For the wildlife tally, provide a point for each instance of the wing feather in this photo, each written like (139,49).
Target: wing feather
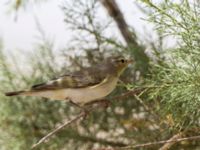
(79,79)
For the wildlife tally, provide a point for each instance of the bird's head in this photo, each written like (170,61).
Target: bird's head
(118,64)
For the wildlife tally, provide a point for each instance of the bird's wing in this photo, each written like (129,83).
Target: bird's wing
(76,80)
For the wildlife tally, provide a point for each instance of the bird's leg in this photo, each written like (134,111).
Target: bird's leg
(75,104)
(80,107)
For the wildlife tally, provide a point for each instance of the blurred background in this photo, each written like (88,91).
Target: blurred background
(40,40)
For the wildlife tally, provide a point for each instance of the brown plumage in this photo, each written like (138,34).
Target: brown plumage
(100,80)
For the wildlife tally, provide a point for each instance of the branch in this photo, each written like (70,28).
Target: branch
(117,15)
(141,59)
(166,146)
(42,140)
(163,142)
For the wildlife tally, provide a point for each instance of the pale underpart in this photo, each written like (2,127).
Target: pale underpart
(79,95)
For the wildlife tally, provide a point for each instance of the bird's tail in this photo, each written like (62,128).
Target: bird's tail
(15,93)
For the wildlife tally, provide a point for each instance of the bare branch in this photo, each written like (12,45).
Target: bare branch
(166,146)
(141,59)
(42,140)
(117,15)
(162,142)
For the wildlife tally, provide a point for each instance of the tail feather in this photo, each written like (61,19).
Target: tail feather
(15,93)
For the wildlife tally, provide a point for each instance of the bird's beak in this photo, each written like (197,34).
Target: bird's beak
(130,61)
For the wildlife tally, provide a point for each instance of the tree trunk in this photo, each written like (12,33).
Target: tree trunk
(141,59)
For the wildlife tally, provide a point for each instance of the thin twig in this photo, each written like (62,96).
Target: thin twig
(166,146)
(42,140)
(162,142)
(146,107)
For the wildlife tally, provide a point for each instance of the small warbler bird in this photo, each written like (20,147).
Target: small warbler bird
(81,87)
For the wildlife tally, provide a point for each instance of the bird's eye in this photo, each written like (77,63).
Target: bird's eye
(122,60)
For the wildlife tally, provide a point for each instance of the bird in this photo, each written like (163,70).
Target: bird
(81,87)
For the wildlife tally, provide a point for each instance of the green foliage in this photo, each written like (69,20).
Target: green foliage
(170,99)
(21,117)
(175,83)
(25,120)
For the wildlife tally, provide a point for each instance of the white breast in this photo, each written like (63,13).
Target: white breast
(82,95)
